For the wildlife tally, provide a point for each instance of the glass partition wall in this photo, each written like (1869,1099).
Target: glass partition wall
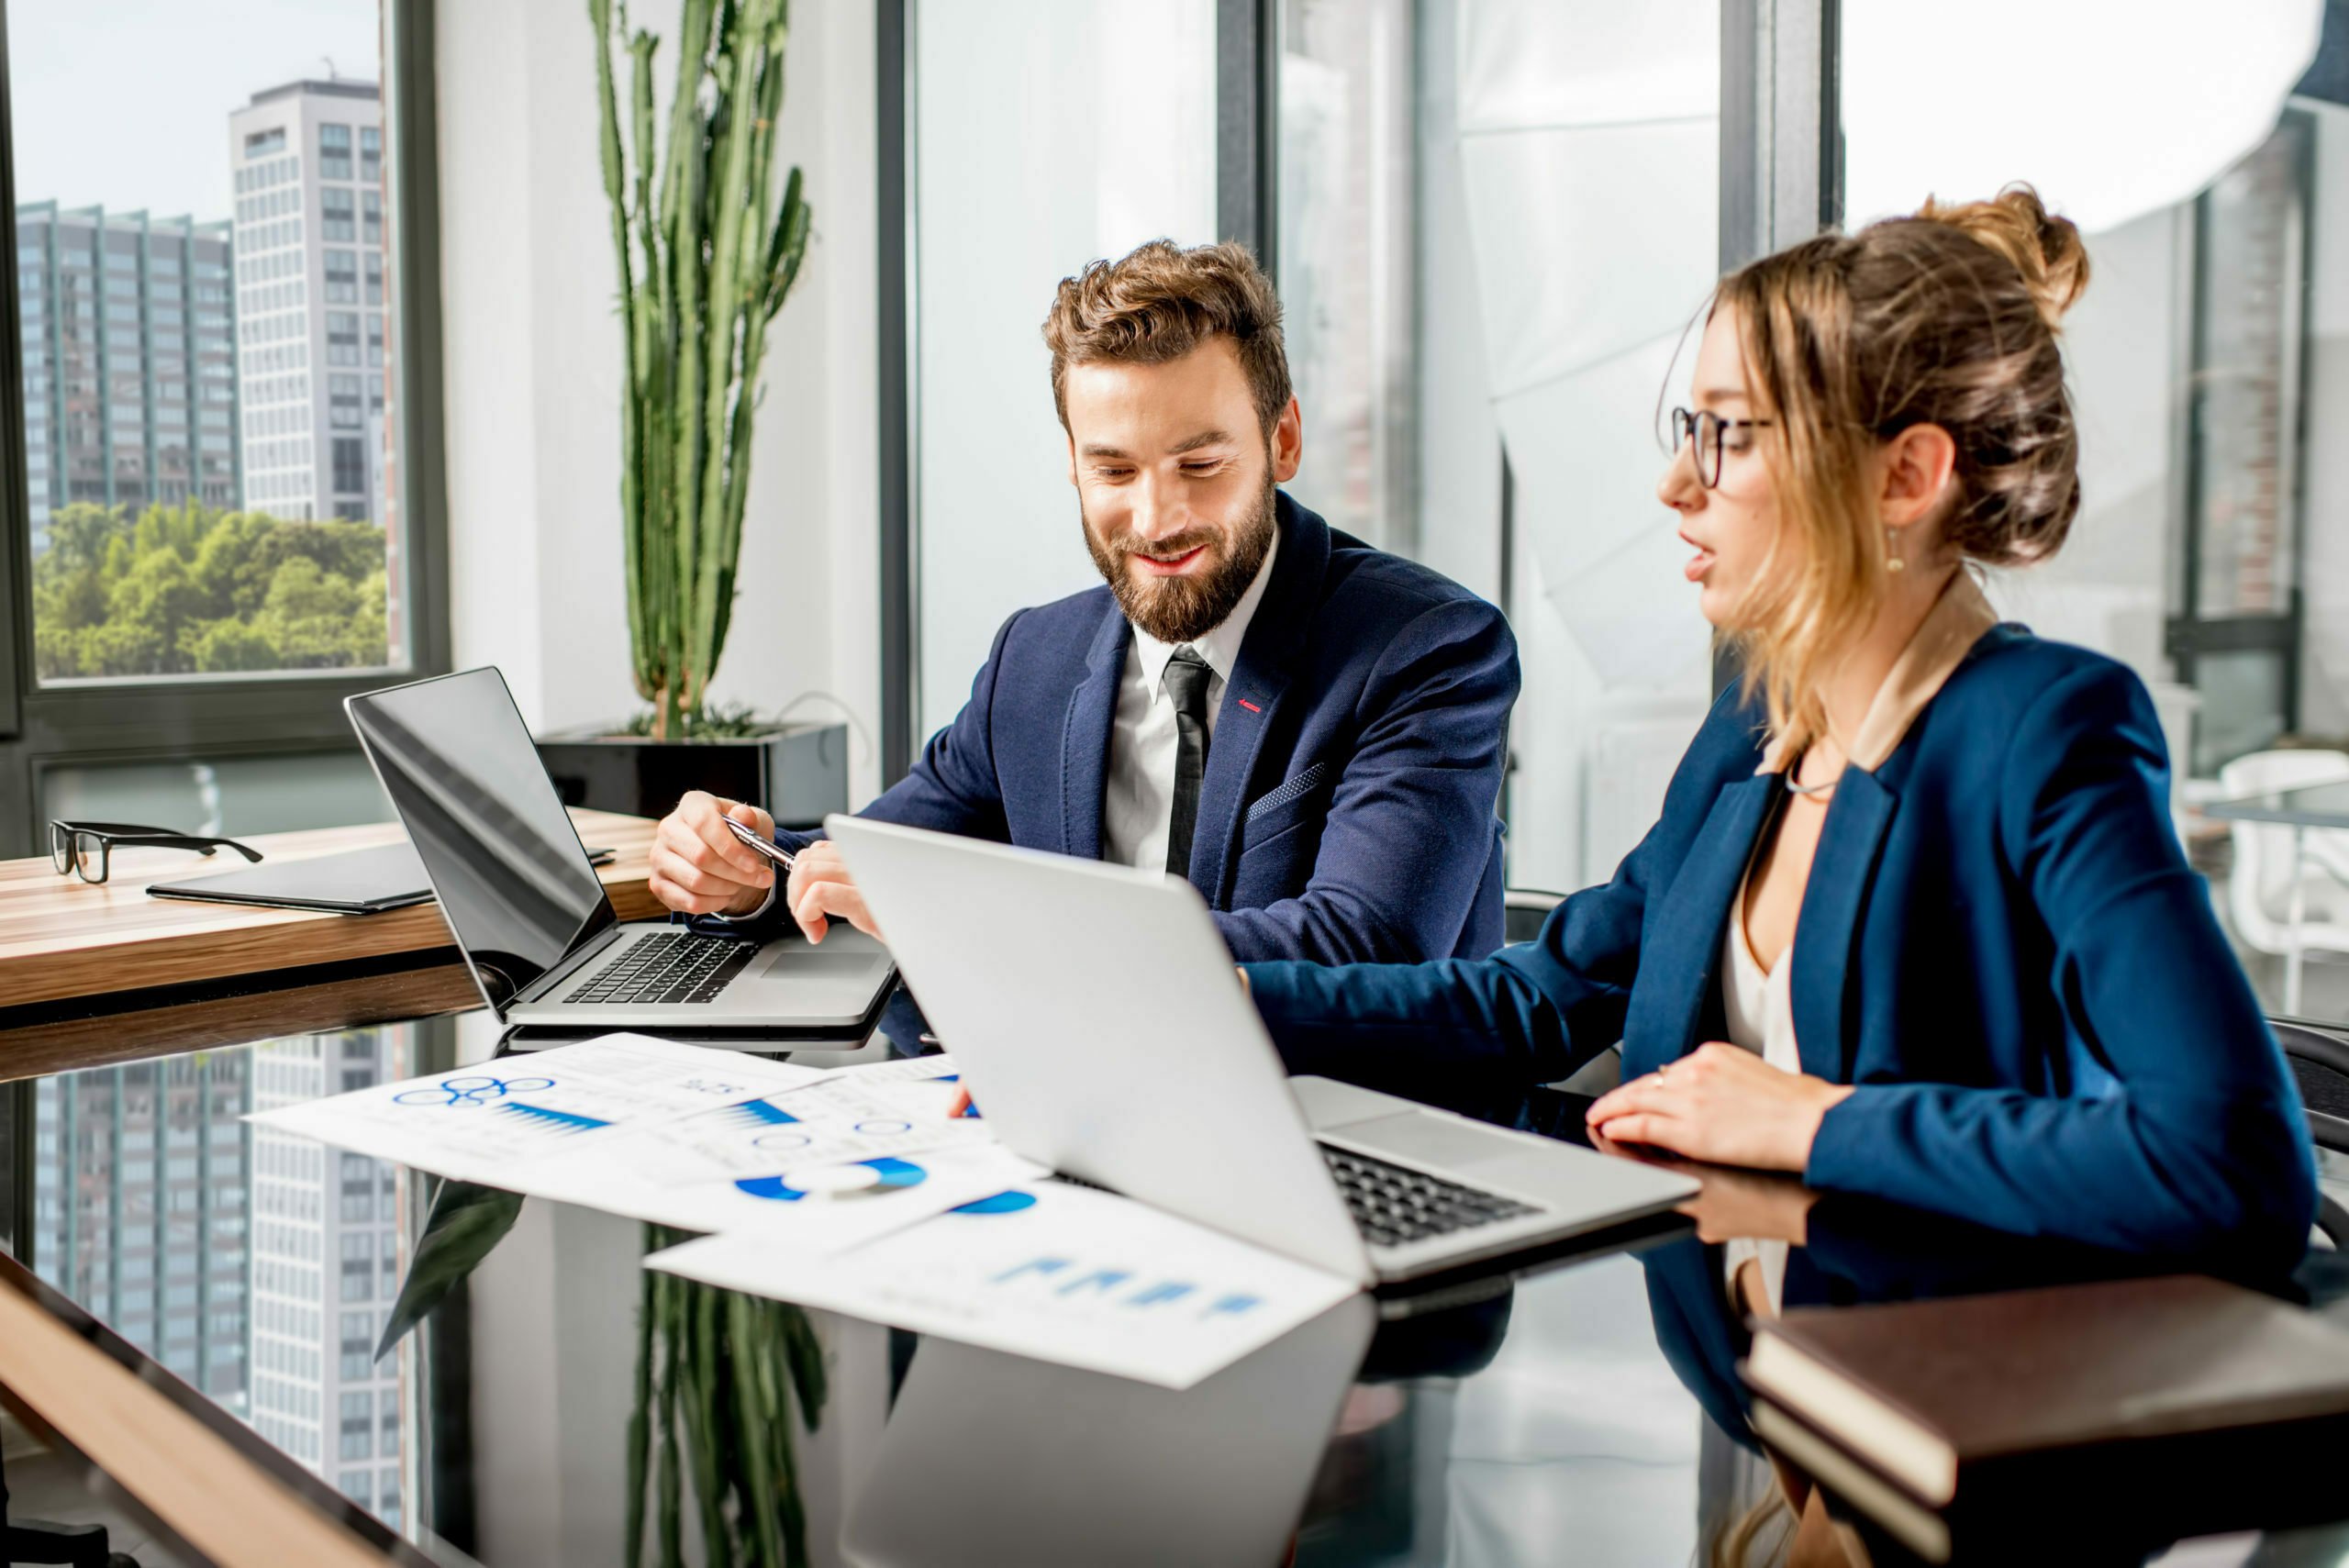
(1040,134)
(1442,176)
(2208,369)
(1494,224)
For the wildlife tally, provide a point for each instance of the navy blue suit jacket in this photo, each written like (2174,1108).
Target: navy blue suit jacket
(2001,943)
(1347,813)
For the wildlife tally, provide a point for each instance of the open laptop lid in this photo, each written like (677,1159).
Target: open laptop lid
(1094,1010)
(513,879)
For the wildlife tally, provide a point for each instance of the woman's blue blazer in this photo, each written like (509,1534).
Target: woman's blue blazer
(2000,944)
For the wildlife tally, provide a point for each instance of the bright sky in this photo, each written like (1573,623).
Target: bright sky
(126,104)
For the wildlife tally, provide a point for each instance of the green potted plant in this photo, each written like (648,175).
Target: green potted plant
(707,253)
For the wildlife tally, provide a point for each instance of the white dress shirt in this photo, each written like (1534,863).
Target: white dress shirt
(1138,795)
(1757,1008)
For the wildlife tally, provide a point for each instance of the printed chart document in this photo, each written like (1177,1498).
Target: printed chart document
(811,1212)
(487,1123)
(828,1165)
(1057,1272)
(854,1114)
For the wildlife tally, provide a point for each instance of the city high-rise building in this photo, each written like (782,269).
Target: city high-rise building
(130,374)
(311,281)
(324,1270)
(140,1184)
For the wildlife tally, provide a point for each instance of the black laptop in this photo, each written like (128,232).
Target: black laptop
(531,915)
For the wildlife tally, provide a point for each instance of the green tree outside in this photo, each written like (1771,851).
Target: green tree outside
(190,590)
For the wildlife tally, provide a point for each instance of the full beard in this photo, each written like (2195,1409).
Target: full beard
(1183,610)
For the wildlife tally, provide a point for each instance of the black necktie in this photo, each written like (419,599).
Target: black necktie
(1187,682)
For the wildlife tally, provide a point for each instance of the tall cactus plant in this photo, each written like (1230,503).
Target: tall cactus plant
(707,257)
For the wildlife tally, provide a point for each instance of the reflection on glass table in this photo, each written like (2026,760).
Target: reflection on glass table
(503,1383)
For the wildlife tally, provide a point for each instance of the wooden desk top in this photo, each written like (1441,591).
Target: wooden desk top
(433,984)
(62,938)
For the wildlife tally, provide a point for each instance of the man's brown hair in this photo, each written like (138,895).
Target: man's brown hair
(1158,302)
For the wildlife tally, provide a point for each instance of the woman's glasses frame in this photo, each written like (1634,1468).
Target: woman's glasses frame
(1709,430)
(74,847)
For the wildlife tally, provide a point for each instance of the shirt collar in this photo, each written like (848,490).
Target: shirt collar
(1220,645)
(1934,650)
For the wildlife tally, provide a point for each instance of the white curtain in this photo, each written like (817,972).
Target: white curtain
(1589,144)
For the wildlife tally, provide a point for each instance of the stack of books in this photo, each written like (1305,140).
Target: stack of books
(2097,1415)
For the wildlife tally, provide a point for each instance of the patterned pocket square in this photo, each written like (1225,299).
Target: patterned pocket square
(1304,783)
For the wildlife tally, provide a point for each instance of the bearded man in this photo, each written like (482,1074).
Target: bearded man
(1309,730)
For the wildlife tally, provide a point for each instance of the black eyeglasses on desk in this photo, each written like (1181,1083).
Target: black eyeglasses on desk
(87,847)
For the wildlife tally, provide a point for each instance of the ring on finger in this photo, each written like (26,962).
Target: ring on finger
(1662,1071)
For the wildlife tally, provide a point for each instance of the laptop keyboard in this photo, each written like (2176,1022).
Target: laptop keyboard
(668,966)
(1394,1204)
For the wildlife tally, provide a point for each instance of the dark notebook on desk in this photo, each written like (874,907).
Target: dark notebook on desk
(356,882)
(2180,1391)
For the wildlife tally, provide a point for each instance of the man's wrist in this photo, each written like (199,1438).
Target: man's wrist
(763,907)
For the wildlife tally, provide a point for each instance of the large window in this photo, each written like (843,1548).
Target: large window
(1493,224)
(1425,181)
(1346,250)
(1495,221)
(1011,192)
(189,266)
(2211,552)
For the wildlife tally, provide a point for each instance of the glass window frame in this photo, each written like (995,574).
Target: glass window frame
(1781,180)
(186,716)
(2192,633)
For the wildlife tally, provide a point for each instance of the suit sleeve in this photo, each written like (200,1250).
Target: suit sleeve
(1533,1012)
(2182,1133)
(1411,825)
(952,789)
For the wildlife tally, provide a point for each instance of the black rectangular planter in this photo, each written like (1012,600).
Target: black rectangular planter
(799,772)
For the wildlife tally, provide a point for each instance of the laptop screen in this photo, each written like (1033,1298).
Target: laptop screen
(512,879)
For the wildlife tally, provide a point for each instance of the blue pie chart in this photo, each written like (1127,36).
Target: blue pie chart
(861,1179)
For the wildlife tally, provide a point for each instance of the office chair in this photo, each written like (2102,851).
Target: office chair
(1523,911)
(2320,1062)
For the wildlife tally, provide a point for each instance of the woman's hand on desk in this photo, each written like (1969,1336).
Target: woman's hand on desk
(1723,1106)
(699,868)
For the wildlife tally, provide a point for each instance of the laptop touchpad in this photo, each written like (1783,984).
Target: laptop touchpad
(1427,1140)
(798,961)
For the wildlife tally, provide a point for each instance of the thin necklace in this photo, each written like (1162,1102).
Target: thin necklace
(1809,791)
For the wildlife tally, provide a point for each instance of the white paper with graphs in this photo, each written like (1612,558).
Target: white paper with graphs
(1059,1273)
(858,1189)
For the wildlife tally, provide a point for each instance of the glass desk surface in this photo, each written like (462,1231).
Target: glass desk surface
(1581,1408)
(2310,806)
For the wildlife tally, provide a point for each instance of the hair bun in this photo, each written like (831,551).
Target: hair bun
(2045,249)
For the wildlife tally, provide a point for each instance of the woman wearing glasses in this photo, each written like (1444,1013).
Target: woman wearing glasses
(1914,922)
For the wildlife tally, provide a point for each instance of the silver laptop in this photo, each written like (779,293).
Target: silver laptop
(991,1459)
(1095,1012)
(529,911)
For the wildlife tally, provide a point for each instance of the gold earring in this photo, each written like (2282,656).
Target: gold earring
(1892,551)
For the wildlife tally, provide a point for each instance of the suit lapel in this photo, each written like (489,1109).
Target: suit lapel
(1084,735)
(1680,964)
(1252,699)
(1841,871)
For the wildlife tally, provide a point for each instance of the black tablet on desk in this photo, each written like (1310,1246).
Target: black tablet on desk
(356,882)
